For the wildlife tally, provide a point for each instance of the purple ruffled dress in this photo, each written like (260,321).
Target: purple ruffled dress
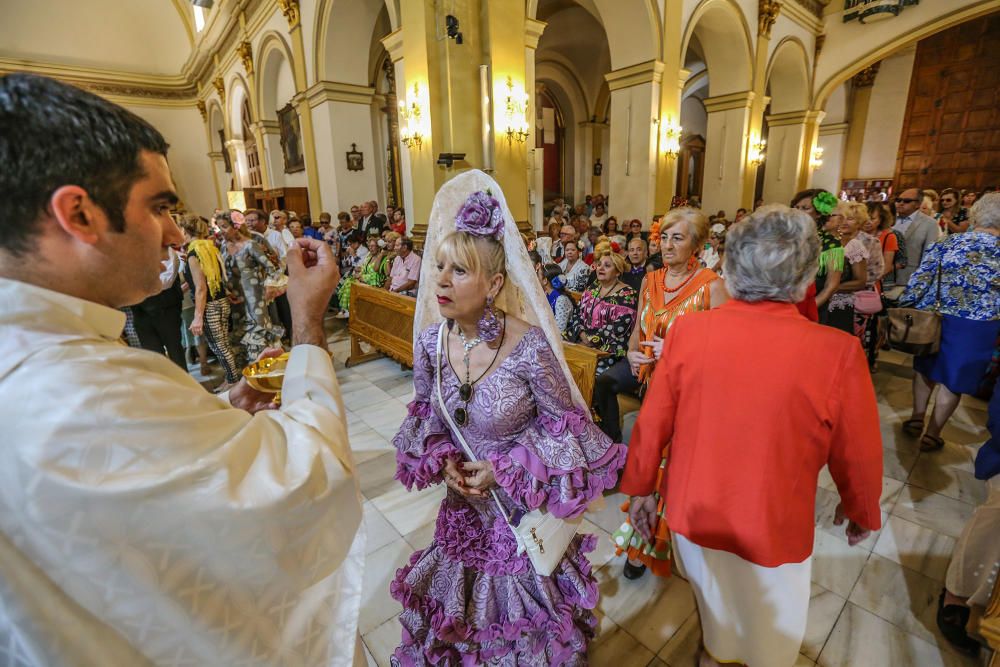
(468,598)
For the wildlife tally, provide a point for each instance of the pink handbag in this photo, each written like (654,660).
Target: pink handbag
(867,302)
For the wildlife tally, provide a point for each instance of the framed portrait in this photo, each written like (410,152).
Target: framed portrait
(291,139)
(355,159)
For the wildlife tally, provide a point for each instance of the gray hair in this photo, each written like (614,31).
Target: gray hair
(986,212)
(772,255)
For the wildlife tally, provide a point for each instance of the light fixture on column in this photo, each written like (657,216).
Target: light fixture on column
(816,161)
(411,119)
(757,152)
(671,139)
(515,118)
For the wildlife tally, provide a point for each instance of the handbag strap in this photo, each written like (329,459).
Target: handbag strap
(442,333)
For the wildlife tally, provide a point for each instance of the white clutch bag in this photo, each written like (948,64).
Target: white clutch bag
(541,535)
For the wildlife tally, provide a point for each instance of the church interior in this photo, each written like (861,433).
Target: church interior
(317,106)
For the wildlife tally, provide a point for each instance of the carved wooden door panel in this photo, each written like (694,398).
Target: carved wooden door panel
(951,130)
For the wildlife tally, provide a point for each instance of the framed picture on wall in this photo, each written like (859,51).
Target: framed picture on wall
(355,159)
(291,139)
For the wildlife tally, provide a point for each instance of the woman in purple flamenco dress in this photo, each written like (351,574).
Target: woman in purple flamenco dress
(470,598)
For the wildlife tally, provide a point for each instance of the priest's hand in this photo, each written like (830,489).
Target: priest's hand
(245,397)
(642,513)
(312,276)
(855,533)
(481,478)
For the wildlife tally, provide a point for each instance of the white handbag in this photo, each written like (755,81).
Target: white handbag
(543,536)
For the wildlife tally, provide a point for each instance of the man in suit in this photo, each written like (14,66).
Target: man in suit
(372,222)
(919,230)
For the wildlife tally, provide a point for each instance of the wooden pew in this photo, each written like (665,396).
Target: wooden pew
(384,320)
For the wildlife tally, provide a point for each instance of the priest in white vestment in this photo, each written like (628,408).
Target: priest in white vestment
(143,520)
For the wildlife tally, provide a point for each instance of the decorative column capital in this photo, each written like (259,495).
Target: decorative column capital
(533,30)
(202,109)
(767,14)
(866,77)
(393,43)
(245,52)
(650,71)
(220,87)
(731,101)
(290,8)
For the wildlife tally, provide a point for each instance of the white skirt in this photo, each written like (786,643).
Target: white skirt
(750,614)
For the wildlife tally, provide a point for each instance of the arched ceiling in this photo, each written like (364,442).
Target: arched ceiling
(93,34)
(576,39)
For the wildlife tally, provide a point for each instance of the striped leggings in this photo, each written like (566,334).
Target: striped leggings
(217,334)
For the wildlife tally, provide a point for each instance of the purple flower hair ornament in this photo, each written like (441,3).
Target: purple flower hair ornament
(481,215)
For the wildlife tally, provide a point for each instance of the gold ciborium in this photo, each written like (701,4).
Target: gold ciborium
(267,375)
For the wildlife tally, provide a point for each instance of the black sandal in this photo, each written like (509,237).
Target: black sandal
(633,571)
(951,620)
(931,443)
(913,426)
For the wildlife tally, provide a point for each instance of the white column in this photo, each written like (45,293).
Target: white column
(341,118)
(726,151)
(833,141)
(238,159)
(220,177)
(631,168)
(786,154)
(536,158)
(583,152)
(269,152)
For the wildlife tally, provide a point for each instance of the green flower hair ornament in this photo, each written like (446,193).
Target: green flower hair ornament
(824,203)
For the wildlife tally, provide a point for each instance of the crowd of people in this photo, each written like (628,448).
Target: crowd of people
(223,288)
(129,492)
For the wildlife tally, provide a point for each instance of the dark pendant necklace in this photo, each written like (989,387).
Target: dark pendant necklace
(465,390)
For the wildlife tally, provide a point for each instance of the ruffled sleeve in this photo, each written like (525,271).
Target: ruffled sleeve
(562,460)
(423,443)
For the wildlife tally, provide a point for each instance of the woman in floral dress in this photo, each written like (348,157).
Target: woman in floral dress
(606,313)
(255,278)
(470,598)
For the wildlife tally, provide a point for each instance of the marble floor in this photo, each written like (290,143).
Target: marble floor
(872,605)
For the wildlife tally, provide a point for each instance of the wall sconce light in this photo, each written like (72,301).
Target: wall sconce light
(758,152)
(515,113)
(817,158)
(671,139)
(411,119)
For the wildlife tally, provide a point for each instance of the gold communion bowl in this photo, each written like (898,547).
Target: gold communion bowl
(267,375)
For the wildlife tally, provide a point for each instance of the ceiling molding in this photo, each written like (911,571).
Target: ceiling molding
(109,83)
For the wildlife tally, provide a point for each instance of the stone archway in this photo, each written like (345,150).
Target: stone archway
(275,92)
(717,49)
(786,123)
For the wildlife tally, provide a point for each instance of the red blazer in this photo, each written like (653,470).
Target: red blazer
(754,400)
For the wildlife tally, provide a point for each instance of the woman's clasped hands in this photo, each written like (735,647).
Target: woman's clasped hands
(474,482)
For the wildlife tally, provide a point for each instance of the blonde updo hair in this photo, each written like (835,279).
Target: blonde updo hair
(478,255)
(854,209)
(194,226)
(697,223)
(603,249)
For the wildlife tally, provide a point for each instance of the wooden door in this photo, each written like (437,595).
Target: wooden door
(691,166)
(951,130)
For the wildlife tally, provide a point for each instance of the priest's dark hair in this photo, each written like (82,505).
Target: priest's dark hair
(53,134)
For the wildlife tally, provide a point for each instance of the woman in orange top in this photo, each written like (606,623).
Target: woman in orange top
(741,475)
(680,287)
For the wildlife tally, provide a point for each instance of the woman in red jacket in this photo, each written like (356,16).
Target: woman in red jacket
(748,427)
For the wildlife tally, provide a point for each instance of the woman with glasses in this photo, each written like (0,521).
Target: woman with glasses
(953,218)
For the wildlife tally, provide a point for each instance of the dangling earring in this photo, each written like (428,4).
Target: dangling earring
(489,324)
(692,263)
